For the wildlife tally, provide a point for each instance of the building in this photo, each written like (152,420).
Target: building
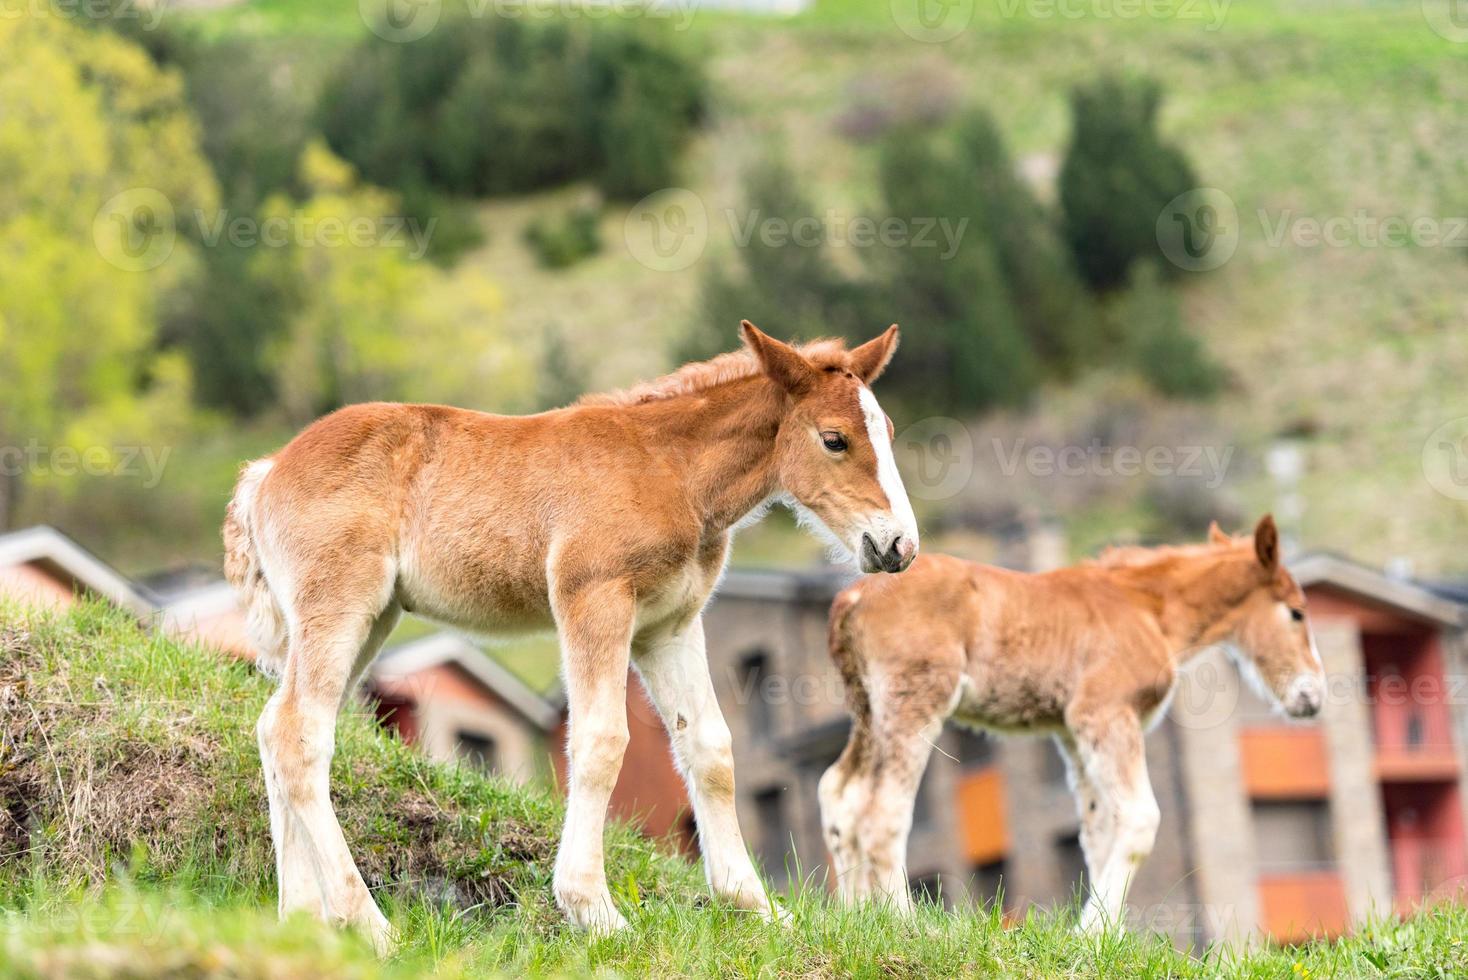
(439,691)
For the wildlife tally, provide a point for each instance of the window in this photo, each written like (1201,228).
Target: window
(754,671)
(774,833)
(1416,730)
(987,887)
(926,888)
(1293,834)
(922,805)
(1057,771)
(1070,866)
(973,748)
(476,749)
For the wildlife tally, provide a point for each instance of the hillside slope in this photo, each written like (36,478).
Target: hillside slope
(133,842)
(1299,116)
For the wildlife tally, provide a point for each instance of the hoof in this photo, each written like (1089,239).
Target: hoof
(594,914)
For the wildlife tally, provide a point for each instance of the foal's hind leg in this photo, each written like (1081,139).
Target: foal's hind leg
(675,671)
(595,623)
(845,789)
(1113,755)
(297,736)
(907,718)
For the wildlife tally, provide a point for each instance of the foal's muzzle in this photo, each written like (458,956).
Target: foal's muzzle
(1305,696)
(898,554)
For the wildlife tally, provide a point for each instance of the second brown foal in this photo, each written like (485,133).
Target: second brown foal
(1087,654)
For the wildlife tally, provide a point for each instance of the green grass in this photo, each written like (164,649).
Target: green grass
(143,851)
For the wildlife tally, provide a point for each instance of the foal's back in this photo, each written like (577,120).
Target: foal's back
(463,507)
(1008,649)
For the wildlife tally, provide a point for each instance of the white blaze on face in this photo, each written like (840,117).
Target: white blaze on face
(887,475)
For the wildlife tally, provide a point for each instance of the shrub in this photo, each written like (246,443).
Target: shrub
(794,289)
(564,239)
(995,307)
(497,106)
(1117,177)
(1156,339)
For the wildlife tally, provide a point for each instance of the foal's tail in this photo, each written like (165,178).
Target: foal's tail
(265,621)
(845,787)
(841,642)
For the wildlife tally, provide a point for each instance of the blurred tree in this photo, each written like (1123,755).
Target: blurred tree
(92,134)
(1158,345)
(780,283)
(963,347)
(370,322)
(993,306)
(1049,300)
(565,238)
(1117,178)
(562,377)
(496,105)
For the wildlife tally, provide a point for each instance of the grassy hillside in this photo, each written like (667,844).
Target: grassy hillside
(133,842)
(1293,110)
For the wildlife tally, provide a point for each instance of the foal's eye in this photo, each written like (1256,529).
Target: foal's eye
(834,441)
(1298,615)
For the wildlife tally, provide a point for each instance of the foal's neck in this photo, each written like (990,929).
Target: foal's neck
(1193,595)
(724,437)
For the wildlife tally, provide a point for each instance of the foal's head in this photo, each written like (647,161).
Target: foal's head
(1267,629)
(834,449)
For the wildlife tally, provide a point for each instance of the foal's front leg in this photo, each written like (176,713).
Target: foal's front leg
(674,669)
(595,624)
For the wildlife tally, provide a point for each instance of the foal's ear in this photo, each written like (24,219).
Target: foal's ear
(784,365)
(870,359)
(1266,543)
(1216,535)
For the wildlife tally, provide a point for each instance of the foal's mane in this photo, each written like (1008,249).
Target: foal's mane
(700,376)
(1138,556)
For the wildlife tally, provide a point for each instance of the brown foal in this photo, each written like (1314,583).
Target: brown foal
(609,520)
(1087,654)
